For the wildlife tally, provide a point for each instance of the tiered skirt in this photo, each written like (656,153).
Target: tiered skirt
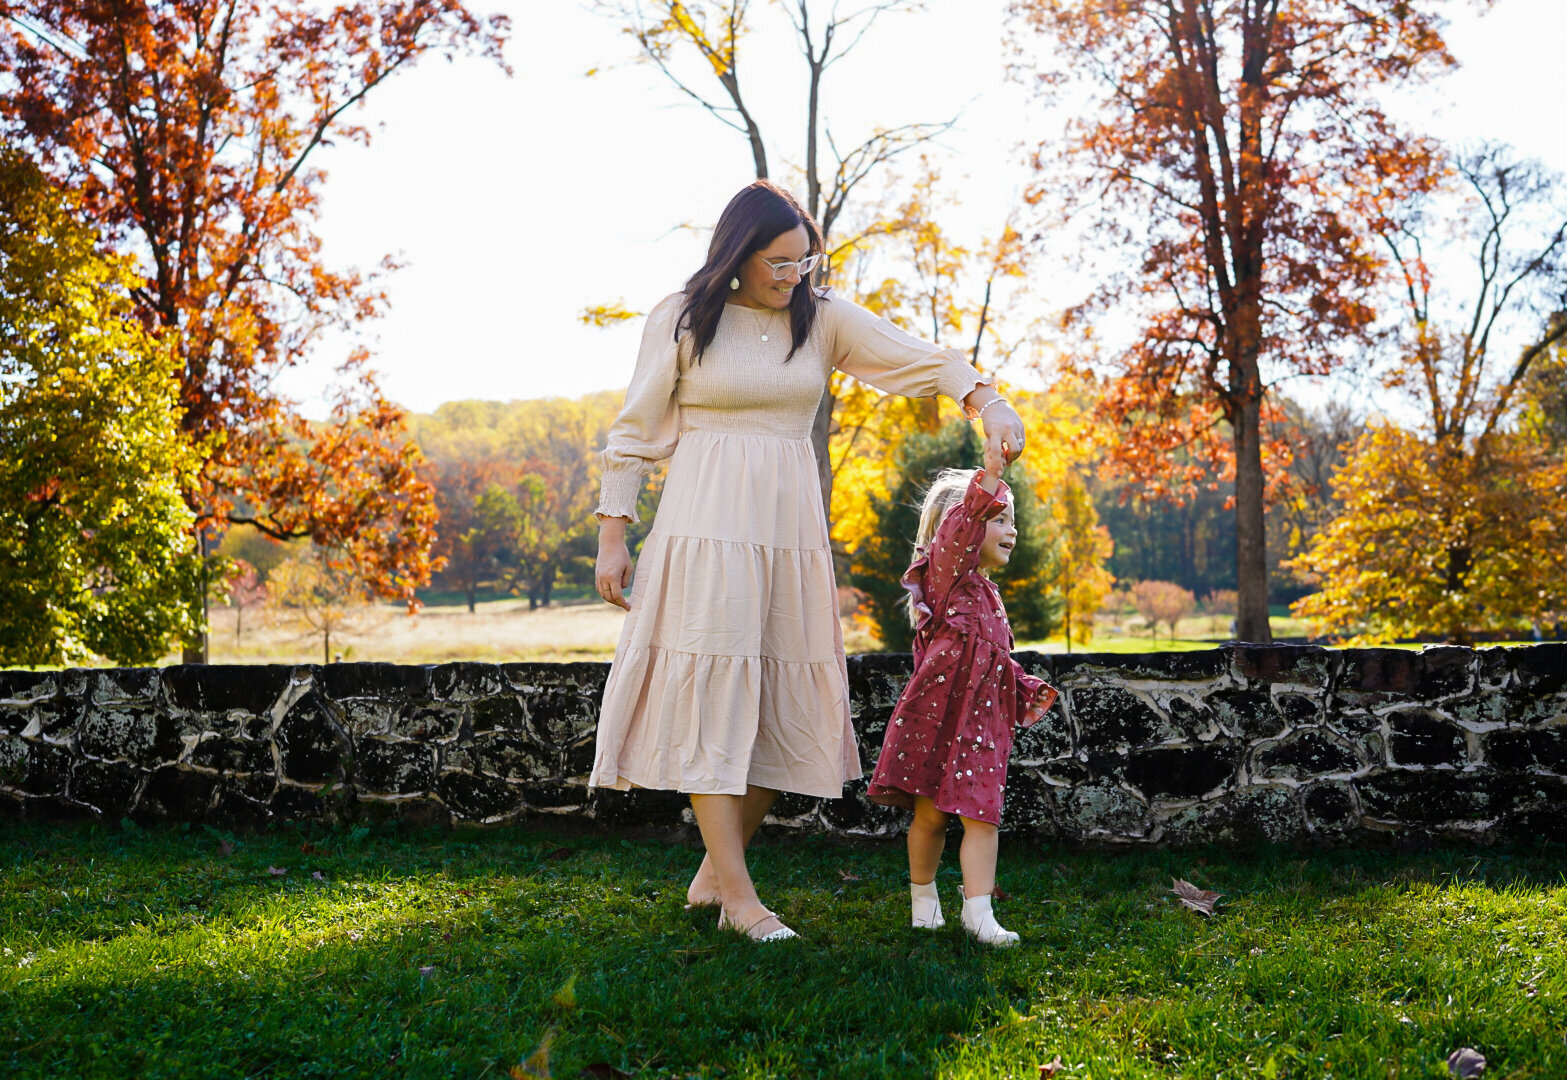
(730,667)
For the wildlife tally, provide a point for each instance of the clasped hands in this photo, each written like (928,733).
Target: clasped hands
(1003,426)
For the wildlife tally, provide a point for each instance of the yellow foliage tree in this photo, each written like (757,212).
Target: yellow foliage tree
(1439,538)
(903,265)
(1461,526)
(1085,548)
(1063,445)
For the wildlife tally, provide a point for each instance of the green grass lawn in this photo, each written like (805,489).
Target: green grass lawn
(130,953)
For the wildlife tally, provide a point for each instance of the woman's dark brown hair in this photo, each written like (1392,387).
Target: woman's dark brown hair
(754,218)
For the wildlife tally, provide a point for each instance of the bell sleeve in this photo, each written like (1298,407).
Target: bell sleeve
(1035,696)
(875,351)
(648,427)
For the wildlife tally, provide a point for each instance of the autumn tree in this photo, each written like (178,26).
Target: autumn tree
(1030,583)
(698,46)
(244,590)
(516,483)
(1320,439)
(96,556)
(1085,548)
(903,265)
(1543,399)
(191,129)
(1162,602)
(480,515)
(321,594)
(1232,167)
(558,440)
(1460,524)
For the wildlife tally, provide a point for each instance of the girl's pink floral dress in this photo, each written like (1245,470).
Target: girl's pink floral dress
(951,734)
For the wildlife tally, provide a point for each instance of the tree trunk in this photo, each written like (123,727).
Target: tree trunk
(194,650)
(1251,550)
(1459,561)
(326,646)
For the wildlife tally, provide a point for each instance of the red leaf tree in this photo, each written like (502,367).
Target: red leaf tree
(189,127)
(1234,163)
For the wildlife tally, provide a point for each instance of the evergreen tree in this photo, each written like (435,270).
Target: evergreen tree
(1030,582)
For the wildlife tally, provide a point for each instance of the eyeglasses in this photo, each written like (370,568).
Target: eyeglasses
(803,266)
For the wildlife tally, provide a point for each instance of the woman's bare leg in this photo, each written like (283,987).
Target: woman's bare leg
(927,840)
(722,821)
(703,890)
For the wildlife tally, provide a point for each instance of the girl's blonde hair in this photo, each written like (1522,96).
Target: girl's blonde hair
(945,492)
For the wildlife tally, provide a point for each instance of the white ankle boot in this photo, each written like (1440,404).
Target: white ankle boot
(980,921)
(927,906)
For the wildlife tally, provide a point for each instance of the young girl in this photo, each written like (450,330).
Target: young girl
(949,738)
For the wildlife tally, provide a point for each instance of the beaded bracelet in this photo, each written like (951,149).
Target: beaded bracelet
(979,412)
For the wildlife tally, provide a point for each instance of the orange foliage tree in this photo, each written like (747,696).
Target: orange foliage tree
(189,128)
(1162,602)
(1235,154)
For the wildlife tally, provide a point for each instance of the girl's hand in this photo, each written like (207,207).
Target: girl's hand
(995,462)
(613,571)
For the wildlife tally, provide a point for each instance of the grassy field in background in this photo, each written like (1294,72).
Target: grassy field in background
(505,630)
(181,953)
(498,630)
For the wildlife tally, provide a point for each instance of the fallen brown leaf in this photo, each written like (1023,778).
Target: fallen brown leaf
(1050,1068)
(309,849)
(1199,900)
(999,893)
(277,871)
(226,847)
(848,876)
(603,1070)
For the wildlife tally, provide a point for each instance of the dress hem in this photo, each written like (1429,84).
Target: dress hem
(622,783)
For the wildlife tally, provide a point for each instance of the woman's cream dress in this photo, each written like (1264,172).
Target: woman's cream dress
(730,668)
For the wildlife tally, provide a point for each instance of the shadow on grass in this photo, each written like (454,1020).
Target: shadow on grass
(153,954)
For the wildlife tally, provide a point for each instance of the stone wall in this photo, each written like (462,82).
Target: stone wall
(1283,743)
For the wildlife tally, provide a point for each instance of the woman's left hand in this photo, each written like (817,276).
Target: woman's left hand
(1003,425)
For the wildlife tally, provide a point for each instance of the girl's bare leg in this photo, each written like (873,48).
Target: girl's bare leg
(722,821)
(927,837)
(927,840)
(703,890)
(977,854)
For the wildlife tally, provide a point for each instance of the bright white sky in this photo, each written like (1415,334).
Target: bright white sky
(517,202)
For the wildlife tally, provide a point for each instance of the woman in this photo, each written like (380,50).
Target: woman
(729,682)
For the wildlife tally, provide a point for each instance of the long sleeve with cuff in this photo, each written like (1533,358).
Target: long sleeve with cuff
(648,427)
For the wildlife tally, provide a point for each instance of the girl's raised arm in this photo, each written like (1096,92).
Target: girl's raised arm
(955,549)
